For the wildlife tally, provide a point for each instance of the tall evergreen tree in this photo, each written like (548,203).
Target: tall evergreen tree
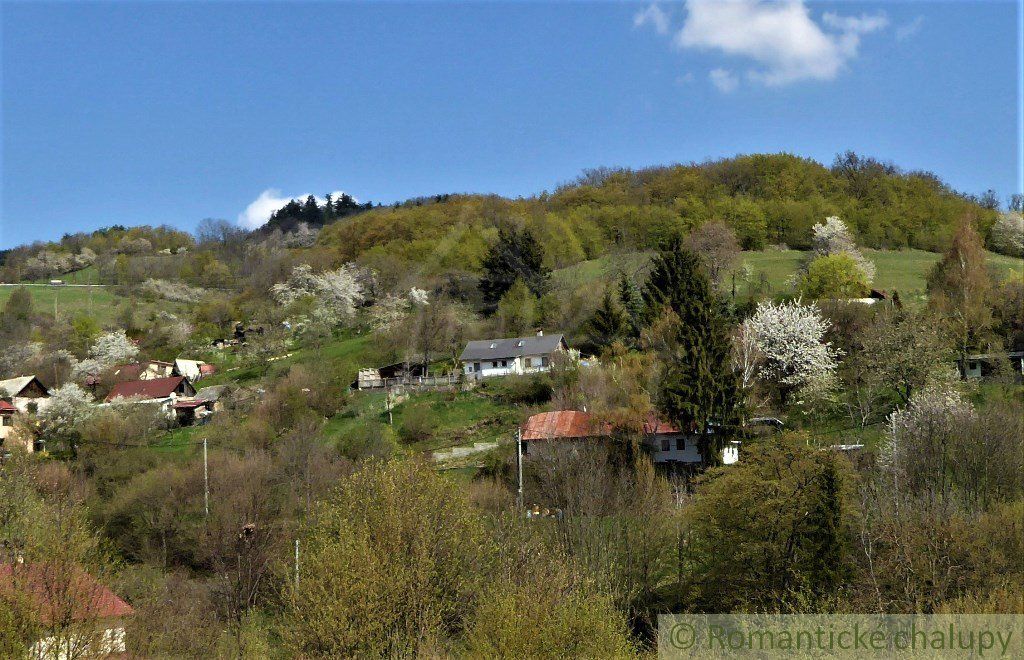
(699,388)
(608,324)
(516,256)
(823,541)
(632,303)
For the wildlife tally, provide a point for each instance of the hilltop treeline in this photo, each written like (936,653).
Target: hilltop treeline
(765,199)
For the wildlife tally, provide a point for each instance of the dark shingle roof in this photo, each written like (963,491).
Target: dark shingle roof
(492,349)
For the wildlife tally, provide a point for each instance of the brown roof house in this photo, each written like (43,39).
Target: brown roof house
(165,392)
(68,612)
(668,446)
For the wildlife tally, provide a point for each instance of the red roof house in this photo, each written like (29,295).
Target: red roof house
(56,593)
(154,388)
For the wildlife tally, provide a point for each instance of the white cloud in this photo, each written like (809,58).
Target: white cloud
(725,80)
(653,15)
(258,212)
(863,24)
(784,42)
(908,30)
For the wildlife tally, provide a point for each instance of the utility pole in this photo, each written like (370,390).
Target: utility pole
(206,483)
(519,462)
(296,563)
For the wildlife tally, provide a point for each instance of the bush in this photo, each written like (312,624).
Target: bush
(834,276)
(525,390)
(417,424)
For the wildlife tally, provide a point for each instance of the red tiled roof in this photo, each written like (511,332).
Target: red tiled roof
(563,424)
(154,388)
(185,405)
(572,424)
(7,407)
(52,589)
(207,369)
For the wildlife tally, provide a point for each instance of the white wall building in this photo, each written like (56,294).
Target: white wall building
(517,355)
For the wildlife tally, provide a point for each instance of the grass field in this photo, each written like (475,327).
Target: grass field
(903,270)
(99,302)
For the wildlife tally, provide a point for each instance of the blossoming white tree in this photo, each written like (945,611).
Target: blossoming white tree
(1008,234)
(336,292)
(834,237)
(924,436)
(68,406)
(113,348)
(789,339)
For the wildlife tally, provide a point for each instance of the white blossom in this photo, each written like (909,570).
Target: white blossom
(918,433)
(68,406)
(834,237)
(113,348)
(419,296)
(1008,234)
(789,338)
(339,291)
(389,311)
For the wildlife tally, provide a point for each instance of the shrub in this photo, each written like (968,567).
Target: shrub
(526,390)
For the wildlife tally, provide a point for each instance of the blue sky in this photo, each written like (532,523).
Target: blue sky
(154,113)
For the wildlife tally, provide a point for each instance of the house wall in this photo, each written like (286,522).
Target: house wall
(688,454)
(506,366)
(100,643)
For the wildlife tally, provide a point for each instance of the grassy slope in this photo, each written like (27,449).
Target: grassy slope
(100,303)
(903,270)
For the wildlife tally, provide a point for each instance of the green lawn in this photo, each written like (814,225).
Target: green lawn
(88,275)
(905,271)
(901,270)
(100,303)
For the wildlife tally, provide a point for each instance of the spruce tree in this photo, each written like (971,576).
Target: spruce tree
(608,324)
(823,541)
(699,388)
(516,256)
(629,295)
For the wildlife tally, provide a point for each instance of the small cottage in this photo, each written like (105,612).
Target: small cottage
(668,447)
(26,393)
(517,355)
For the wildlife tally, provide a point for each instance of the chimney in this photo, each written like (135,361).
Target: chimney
(540,333)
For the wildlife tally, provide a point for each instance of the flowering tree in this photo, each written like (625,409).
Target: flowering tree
(833,237)
(789,337)
(1008,234)
(924,438)
(336,292)
(388,312)
(67,408)
(113,348)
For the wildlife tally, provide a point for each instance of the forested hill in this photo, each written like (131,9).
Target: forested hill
(767,199)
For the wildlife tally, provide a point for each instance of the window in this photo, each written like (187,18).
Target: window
(680,444)
(664,444)
(545,361)
(494,364)
(504,363)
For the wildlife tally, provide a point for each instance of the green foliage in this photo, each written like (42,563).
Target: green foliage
(765,527)
(531,389)
(516,257)
(833,276)
(699,387)
(608,324)
(517,310)
(392,564)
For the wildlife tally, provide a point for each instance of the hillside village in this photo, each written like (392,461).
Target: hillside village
(754,384)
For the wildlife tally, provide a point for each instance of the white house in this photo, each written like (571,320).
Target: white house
(518,355)
(26,393)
